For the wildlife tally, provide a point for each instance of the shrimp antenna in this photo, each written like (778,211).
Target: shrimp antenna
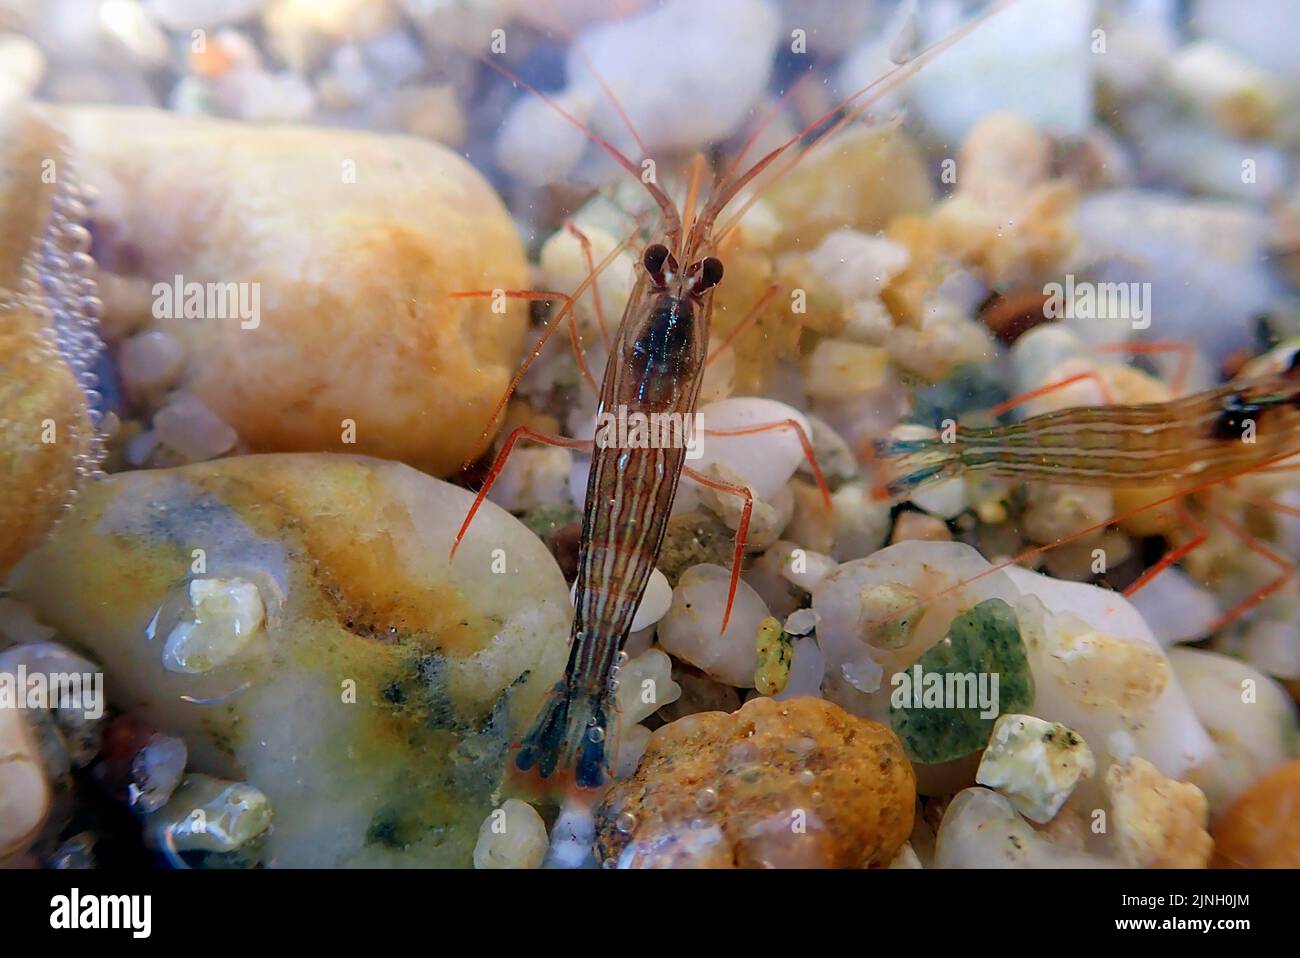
(873,91)
(666,205)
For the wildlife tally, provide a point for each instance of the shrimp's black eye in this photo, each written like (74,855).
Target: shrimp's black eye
(710,274)
(1293,363)
(653,259)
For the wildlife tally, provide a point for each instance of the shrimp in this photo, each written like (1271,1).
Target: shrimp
(1191,445)
(1202,438)
(655,369)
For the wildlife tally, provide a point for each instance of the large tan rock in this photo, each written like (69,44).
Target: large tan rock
(793,784)
(354,240)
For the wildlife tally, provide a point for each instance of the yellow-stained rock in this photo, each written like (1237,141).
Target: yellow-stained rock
(799,783)
(43,425)
(1261,829)
(354,241)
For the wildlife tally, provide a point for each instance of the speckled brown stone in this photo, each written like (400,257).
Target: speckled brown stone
(1261,829)
(793,784)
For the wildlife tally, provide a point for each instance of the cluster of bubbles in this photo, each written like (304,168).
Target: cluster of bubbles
(58,285)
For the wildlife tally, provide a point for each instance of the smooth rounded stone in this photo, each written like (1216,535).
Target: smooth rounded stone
(348,244)
(377,709)
(998,66)
(791,784)
(807,669)
(221,619)
(19,626)
(42,399)
(25,791)
(1176,607)
(645,685)
(764,460)
(624,52)
(981,829)
(691,629)
(1099,670)
(1272,644)
(842,369)
(1261,828)
(210,815)
(861,523)
(150,362)
(1249,716)
(1039,351)
(534,477)
(300,32)
(188,427)
(512,836)
(881,613)
(1205,261)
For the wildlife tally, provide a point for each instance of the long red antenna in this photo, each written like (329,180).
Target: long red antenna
(876,88)
(666,205)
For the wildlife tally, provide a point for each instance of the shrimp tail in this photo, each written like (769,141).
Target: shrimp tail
(572,730)
(910,464)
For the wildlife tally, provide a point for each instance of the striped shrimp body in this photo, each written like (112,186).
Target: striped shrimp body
(1185,449)
(655,368)
(1189,442)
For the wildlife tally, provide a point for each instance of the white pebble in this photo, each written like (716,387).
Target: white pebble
(765,460)
(857,265)
(25,793)
(150,362)
(690,629)
(223,617)
(189,427)
(1038,63)
(1177,608)
(801,622)
(807,669)
(654,44)
(645,685)
(861,523)
(533,476)
(1035,764)
(512,836)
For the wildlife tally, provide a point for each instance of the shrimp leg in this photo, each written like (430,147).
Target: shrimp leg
(742,530)
(560,441)
(1289,570)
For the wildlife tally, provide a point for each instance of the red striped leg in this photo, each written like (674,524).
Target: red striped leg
(561,441)
(742,530)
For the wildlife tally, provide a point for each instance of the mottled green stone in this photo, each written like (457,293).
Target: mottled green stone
(982,642)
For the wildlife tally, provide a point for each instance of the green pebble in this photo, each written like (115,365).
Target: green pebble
(982,642)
